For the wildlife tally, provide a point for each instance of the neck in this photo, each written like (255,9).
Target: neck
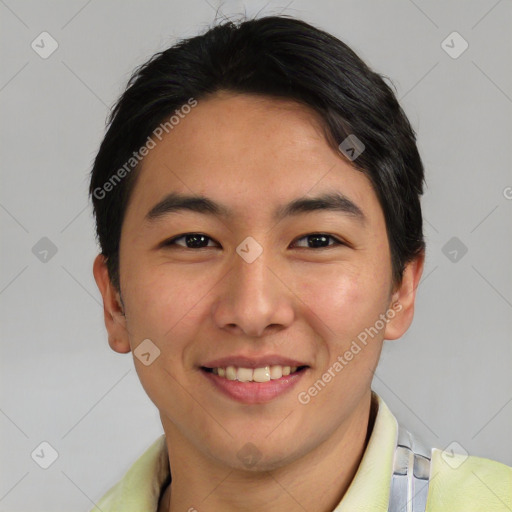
(315,482)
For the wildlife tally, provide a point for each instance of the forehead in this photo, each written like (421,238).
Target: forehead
(249,152)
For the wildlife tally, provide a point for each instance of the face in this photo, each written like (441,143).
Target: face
(254,290)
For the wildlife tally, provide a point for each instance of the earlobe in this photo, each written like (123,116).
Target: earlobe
(403,300)
(113,312)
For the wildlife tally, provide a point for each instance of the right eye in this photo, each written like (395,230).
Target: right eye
(191,241)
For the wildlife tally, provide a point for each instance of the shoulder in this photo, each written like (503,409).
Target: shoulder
(466,484)
(140,487)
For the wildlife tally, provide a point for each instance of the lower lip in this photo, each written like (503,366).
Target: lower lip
(254,392)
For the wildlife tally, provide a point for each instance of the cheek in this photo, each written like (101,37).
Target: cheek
(160,303)
(342,299)
(163,307)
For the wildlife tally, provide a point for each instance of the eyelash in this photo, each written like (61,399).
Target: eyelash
(172,241)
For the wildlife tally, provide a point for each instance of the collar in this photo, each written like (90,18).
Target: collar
(369,490)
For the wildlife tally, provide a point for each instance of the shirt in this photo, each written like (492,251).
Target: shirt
(458,483)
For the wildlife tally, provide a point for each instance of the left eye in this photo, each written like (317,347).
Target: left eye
(319,240)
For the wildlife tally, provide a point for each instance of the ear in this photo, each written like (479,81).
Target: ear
(115,320)
(402,301)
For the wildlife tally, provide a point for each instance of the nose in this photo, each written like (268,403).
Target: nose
(253,298)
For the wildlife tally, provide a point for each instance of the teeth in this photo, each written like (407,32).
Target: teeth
(244,374)
(263,374)
(276,372)
(231,373)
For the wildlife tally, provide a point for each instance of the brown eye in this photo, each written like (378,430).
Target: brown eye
(191,241)
(319,240)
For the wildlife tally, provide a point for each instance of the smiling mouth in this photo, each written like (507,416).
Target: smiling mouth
(261,374)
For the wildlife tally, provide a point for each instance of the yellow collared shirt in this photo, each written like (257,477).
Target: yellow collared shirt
(471,484)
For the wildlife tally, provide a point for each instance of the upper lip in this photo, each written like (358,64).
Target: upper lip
(252,362)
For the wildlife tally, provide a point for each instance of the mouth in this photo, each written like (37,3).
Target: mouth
(253,381)
(260,374)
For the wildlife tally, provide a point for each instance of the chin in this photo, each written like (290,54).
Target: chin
(256,456)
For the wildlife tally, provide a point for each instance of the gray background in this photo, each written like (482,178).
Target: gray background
(448,379)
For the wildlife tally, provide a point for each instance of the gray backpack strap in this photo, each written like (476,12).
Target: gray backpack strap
(411,471)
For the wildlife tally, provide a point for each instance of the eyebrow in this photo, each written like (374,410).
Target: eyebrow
(335,202)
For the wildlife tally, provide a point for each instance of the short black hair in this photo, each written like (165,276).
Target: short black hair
(279,57)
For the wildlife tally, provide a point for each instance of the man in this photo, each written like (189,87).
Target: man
(257,199)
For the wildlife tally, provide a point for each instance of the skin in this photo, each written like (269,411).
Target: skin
(254,154)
